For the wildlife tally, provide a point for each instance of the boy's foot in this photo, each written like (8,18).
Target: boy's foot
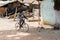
(18,28)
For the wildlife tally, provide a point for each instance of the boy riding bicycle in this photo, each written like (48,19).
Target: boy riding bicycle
(20,18)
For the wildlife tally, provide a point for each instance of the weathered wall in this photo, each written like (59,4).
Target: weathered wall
(47,12)
(57,13)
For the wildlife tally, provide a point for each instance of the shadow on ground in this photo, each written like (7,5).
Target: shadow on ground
(32,34)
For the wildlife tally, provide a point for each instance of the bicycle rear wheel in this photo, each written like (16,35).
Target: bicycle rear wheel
(17,26)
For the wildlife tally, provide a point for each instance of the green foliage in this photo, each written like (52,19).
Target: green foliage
(57,0)
(22,0)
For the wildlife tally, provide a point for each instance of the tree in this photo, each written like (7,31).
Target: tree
(22,0)
(57,4)
(56,0)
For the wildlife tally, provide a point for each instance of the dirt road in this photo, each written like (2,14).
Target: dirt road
(8,32)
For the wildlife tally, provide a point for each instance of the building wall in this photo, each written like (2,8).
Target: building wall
(57,13)
(47,12)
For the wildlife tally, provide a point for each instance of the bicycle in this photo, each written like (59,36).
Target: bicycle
(24,28)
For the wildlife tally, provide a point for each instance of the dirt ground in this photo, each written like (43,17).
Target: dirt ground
(8,32)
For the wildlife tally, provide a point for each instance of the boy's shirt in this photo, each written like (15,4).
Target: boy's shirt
(20,16)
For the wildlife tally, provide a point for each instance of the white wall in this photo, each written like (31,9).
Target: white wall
(47,12)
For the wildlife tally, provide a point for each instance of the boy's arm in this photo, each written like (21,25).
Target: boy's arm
(24,16)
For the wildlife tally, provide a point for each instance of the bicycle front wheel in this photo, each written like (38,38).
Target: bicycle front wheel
(26,27)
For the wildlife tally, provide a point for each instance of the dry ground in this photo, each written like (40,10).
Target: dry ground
(8,32)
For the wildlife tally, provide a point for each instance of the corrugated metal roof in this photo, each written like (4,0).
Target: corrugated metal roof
(4,2)
(30,1)
(25,1)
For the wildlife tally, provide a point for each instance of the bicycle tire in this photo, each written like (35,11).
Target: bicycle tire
(26,27)
(17,26)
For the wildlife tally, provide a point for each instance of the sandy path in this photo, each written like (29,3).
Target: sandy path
(6,24)
(7,32)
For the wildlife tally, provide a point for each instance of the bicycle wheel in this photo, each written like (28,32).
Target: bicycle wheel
(26,27)
(17,26)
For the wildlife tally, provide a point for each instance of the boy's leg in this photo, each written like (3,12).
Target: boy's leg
(20,23)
